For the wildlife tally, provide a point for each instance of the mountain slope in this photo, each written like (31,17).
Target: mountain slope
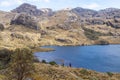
(27,25)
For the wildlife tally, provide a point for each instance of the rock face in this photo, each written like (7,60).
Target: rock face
(32,10)
(47,11)
(87,13)
(114,23)
(29,9)
(87,16)
(26,20)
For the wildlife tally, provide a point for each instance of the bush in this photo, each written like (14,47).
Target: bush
(1,67)
(103,42)
(84,72)
(110,74)
(22,63)
(44,61)
(5,55)
(52,63)
(1,27)
(36,60)
(91,34)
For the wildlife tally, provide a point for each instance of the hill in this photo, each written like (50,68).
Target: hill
(29,26)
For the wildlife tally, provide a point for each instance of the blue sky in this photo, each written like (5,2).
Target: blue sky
(8,5)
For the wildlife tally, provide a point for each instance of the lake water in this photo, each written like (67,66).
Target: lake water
(100,58)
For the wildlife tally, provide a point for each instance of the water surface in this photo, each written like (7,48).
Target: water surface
(100,58)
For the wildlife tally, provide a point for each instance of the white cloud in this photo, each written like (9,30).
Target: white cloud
(8,3)
(47,0)
(36,0)
(91,6)
(5,3)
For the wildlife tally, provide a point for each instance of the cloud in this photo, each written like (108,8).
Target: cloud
(91,6)
(37,0)
(5,3)
(47,0)
(8,3)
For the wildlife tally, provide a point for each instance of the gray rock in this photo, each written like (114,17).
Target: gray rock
(64,26)
(32,10)
(26,20)
(63,40)
(28,9)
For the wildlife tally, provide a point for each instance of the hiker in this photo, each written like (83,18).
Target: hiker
(70,65)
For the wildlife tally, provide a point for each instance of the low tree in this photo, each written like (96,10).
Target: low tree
(5,57)
(21,65)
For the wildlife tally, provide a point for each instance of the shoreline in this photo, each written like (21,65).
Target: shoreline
(41,49)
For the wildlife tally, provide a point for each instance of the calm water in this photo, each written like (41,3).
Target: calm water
(100,58)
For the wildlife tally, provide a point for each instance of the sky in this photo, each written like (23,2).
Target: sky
(7,5)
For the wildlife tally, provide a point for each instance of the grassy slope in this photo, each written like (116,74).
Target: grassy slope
(48,72)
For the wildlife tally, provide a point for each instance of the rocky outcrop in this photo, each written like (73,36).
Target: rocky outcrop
(109,16)
(32,10)
(26,20)
(47,11)
(115,23)
(87,13)
(28,9)
(64,26)
(62,40)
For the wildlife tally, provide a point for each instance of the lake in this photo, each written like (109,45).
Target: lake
(102,58)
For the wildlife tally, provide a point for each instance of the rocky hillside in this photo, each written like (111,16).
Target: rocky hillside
(29,26)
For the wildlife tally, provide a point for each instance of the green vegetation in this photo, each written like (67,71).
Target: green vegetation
(84,72)
(52,63)
(36,60)
(93,35)
(21,65)
(5,55)
(44,61)
(1,27)
(110,74)
(102,42)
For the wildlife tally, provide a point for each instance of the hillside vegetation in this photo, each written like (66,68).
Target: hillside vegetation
(27,26)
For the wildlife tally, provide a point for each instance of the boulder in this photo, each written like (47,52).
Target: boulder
(113,24)
(62,40)
(64,26)
(102,42)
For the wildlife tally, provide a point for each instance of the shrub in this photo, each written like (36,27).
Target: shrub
(93,35)
(103,42)
(36,60)
(84,72)
(1,66)
(1,27)
(5,55)
(21,64)
(52,63)
(44,61)
(110,74)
